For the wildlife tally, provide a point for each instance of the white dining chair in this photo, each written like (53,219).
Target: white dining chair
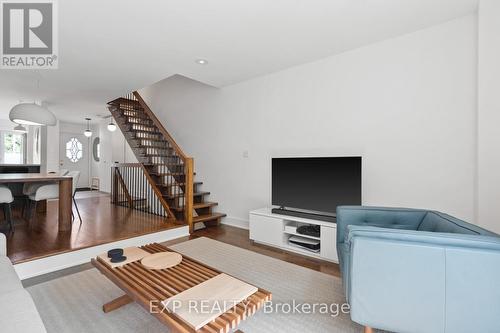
(30,188)
(51,191)
(6,199)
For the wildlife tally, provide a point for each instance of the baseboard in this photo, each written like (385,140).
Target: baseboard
(57,262)
(236,222)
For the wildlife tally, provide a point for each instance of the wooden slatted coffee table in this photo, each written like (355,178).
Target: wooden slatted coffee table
(147,287)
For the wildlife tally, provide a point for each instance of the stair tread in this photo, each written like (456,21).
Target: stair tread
(198,205)
(151,139)
(168,185)
(169,173)
(170,164)
(123,100)
(158,155)
(155,132)
(153,147)
(195,194)
(208,217)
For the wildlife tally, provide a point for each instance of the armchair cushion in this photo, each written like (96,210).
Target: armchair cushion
(418,271)
(439,222)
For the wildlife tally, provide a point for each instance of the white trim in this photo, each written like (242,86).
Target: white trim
(57,262)
(236,222)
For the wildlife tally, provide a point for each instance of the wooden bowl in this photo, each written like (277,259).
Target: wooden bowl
(161,260)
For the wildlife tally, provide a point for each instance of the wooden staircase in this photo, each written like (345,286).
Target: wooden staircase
(166,169)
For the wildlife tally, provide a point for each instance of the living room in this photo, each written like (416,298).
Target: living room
(327,166)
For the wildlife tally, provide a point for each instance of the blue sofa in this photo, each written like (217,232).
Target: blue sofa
(412,270)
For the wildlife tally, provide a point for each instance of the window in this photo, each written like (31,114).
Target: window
(74,150)
(12,147)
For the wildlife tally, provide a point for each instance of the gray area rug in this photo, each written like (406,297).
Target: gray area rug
(73,303)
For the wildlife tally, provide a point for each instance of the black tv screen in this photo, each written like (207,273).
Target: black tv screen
(318,184)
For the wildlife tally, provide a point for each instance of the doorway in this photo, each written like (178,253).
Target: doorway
(74,155)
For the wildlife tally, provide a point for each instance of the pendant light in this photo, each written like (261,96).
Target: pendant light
(20,128)
(88,132)
(111,127)
(32,113)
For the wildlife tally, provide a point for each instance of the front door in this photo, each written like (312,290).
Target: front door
(74,155)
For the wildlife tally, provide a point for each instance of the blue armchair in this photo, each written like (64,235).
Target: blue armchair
(411,270)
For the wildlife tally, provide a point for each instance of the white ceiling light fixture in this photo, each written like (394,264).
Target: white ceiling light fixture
(202,61)
(88,132)
(111,127)
(20,128)
(32,114)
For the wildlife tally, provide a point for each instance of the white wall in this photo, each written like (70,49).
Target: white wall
(114,149)
(50,148)
(489,114)
(407,105)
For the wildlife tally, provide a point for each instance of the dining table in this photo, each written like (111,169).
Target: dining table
(65,191)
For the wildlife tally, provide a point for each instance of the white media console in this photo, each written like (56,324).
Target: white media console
(275,230)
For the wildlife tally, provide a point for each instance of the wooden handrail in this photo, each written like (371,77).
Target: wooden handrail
(124,187)
(153,186)
(159,125)
(188,163)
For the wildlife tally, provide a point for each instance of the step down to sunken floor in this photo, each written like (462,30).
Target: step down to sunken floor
(208,217)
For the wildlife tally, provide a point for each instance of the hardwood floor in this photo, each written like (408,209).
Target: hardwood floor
(240,237)
(102,223)
(223,233)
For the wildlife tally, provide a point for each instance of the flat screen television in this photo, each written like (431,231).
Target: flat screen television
(304,186)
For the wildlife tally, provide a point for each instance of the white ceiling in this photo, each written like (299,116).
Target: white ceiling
(107,48)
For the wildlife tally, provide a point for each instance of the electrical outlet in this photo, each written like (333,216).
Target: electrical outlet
(245,154)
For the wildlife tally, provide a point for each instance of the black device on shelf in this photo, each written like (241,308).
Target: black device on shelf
(305,243)
(309,230)
(313,187)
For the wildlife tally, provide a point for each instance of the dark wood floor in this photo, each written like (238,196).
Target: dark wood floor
(240,237)
(102,223)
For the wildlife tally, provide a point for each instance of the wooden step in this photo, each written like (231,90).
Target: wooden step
(123,100)
(151,139)
(158,155)
(208,217)
(153,147)
(178,184)
(163,164)
(142,121)
(195,194)
(173,174)
(153,131)
(133,114)
(196,206)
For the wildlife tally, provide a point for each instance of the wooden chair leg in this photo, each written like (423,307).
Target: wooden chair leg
(25,204)
(33,207)
(77,210)
(368,329)
(8,216)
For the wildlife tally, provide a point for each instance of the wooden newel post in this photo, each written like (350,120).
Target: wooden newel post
(188,193)
(114,191)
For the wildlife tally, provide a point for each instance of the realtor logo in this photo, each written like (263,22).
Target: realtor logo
(29,39)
